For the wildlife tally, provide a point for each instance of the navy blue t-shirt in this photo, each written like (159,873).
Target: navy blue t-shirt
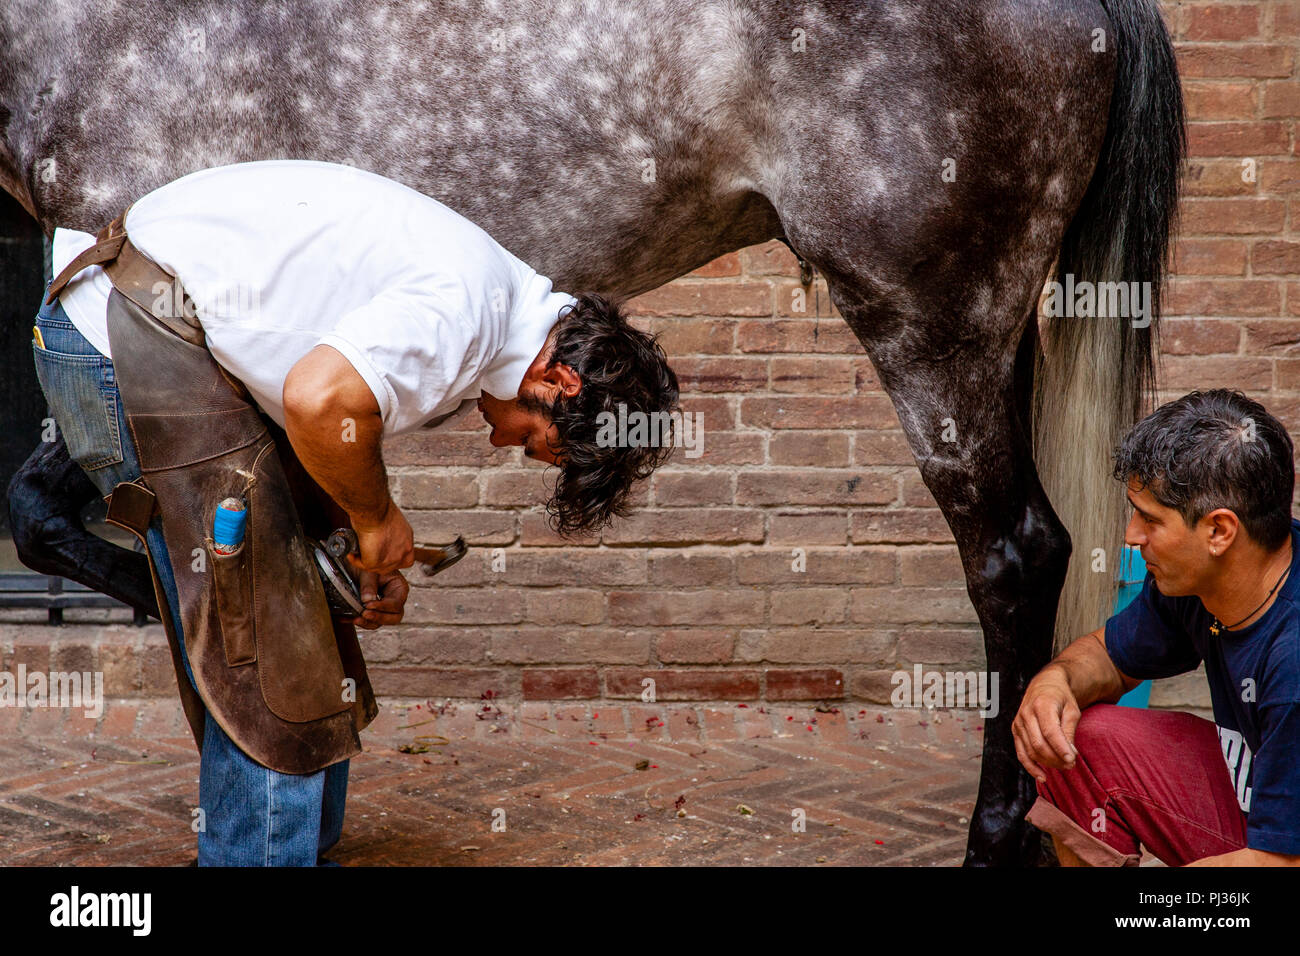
(1254,675)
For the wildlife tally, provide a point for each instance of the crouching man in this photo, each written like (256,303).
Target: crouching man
(1210,478)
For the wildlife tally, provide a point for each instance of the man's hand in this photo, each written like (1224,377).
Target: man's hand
(1044,726)
(386,545)
(384,596)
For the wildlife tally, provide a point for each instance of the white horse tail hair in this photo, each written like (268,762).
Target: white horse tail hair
(1095,374)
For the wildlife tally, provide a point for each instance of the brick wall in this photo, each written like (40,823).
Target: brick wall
(700,589)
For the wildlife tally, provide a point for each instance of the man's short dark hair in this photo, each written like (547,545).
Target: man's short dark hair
(1215,449)
(617,364)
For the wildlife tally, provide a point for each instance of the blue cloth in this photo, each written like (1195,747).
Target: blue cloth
(252,815)
(1254,676)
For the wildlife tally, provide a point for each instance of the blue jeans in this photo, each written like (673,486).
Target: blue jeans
(252,815)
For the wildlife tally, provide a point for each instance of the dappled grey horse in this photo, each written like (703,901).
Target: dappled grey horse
(931,158)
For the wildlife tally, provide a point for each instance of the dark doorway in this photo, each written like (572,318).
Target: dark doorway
(22,279)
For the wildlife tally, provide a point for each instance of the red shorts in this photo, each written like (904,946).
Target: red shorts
(1143,778)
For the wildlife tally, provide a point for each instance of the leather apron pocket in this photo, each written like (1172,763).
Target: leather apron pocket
(233,587)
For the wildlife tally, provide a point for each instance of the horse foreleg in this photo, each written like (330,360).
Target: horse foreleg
(46,496)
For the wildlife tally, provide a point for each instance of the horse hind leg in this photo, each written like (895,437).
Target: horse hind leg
(964,409)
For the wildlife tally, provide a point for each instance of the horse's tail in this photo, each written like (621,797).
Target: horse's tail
(1095,373)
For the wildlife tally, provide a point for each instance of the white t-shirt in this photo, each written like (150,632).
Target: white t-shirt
(282,256)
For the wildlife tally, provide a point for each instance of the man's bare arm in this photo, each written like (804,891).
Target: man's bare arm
(1089,672)
(1044,726)
(327,404)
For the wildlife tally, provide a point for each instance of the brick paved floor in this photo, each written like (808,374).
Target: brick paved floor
(877,785)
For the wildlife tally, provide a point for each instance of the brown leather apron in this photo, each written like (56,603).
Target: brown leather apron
(283,679)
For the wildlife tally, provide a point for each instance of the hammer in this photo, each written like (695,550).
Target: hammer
(343,541)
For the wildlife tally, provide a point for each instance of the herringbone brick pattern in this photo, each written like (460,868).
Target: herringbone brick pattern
(875,785)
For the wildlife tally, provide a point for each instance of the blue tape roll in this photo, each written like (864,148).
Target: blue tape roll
(228,526)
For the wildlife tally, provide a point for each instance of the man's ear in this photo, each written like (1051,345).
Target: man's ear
(1223,526)
(564,379)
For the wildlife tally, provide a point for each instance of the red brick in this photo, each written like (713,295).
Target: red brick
(807,486)
(806,529)
(525,487)
(658,608)
(1187,372)
(437,490)
(157,671)
(1223,297)
(564,606)
(769,258)
(915,493)
(809,606)
(1235,60)
(926,566)
(873,685)
(1217,177)
(793,300)
(1218,100)
(560,683)
(535,532)
(818,376)
(820,566)
(705,297)
(899,526)
(1235,216)
(684,684)
(693,336)
(804,684)
(887,606)
(1281,99)
(1199,336)
(721,374)
(1273,257)
(797,335)
(546,567)
(687,526)
(1225,257)
(941,646)
(565,645)
(817,645)
(690,568)
(426,645)
(798,411)
(724,265)
(1219,21)
(882,448)
(820,449)
(695,646)
(424,447)
(427,682)
(477,527)
(677,489)
(1286,19)
(1272,335)
(1237,139)
(491,605)
(726,448)
(1279,176)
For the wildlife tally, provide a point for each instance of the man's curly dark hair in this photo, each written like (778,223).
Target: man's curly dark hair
(618,365)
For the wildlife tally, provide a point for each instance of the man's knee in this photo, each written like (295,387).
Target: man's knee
(1100,725)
